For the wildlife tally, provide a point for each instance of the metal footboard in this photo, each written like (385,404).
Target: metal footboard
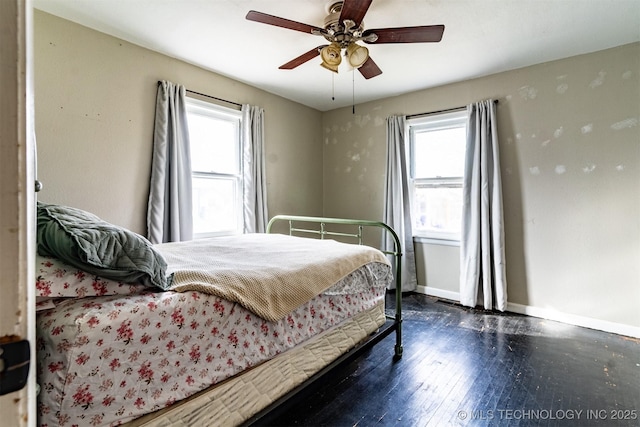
(394,323)
(360,225)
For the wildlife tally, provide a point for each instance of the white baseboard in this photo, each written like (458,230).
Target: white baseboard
(440,293)
(543,313)
(572,319)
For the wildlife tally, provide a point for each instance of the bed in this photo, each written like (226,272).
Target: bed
(121,349)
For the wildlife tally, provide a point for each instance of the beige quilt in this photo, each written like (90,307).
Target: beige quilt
(269,274)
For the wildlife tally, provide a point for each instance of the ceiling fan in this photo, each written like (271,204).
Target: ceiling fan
(343,28)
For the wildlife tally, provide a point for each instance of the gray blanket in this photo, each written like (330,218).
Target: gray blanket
(87,242)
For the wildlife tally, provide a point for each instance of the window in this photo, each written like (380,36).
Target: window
(436,153)
(214,134)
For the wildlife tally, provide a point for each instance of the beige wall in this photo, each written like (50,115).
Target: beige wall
(95,101)
(569,137)
(570,159)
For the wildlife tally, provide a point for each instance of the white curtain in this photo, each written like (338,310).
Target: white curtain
(397,210)
(255,186)
(169,210)
(482,255)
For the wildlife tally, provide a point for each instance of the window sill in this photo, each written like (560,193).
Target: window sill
(216,234)
(436,241)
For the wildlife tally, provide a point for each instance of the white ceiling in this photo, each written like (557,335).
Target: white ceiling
(481,37)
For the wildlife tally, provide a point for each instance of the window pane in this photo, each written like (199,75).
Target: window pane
(439,153)
(214,205)
(214,146)
(437,209)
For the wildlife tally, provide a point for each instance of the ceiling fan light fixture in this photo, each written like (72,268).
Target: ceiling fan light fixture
(332,20)
(343,27)
(333,10)
(331,57)
(357,55)
(330,67)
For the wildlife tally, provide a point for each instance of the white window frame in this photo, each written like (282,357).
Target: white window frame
(433,122)
(208,109)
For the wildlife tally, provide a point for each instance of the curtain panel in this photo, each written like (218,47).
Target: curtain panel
(255,214)
(397,209)
(482,252)
(169,211)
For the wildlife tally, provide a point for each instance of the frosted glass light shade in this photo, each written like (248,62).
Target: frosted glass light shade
(331,57)
(357,55)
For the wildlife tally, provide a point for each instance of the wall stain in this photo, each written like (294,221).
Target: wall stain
(347,127)
(558,132)
(562,88)
(625,124)
(363,120)
(586,128)
(528,92)
(598,81)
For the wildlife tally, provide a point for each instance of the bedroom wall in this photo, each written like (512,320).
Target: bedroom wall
(569,136)
(95,101)
(570,161)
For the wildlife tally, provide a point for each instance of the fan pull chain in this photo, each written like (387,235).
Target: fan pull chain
(353,91)
(333,87)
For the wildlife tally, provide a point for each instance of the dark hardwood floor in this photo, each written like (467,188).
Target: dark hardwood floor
(464,367)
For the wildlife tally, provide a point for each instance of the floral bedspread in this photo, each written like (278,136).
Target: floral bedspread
(108,359)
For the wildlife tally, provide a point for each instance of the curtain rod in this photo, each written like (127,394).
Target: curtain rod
(412,116)
(209,96)
(214,97)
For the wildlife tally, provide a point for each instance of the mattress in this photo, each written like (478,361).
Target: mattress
(237,399)
(107,360)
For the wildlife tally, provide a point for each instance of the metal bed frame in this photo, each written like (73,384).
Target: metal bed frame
(394,323)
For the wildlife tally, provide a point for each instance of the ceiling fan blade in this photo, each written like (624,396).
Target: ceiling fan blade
(369,69)
(302,58)
(354,10)
(424,34)
(280,22)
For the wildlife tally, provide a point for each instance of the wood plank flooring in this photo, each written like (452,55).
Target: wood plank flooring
(464,367)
